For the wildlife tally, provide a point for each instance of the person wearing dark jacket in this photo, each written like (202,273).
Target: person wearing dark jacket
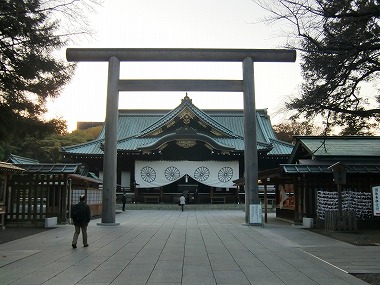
(124,201)
(81,216)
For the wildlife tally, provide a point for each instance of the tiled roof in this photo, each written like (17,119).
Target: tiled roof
(51,168)
(319,147)
(234,120)
(16,159)
(85,179)
(319,169)
(186,104)
(280,147)
(88,148)
(135,128)
(9,168)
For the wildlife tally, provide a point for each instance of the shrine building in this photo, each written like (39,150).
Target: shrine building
(164,153)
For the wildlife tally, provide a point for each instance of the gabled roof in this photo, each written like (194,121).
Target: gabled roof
(187,134)
(140,130)
(336,148)
(187,109)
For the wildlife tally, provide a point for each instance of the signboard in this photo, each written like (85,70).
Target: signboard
(255,214)
(340,173)
(376,200)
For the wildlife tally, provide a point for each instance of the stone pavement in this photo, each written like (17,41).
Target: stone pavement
(191,247)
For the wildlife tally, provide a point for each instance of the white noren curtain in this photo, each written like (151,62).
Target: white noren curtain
(212,173)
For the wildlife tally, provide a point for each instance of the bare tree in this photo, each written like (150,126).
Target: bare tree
(340,58)
(286,130)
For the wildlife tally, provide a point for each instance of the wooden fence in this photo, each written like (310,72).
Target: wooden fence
(33,197)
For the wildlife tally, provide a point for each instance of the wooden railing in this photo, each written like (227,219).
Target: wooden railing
(218,199)
(152,199)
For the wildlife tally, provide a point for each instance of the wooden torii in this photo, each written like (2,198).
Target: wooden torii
(114,56)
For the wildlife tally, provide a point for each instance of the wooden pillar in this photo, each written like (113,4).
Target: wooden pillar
(64,199)
(296,190)
(309,197)
(250,141)
(110,143)
(266,200)
(302,196)
(69,198)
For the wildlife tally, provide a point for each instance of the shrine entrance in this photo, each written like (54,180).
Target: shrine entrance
(246,56)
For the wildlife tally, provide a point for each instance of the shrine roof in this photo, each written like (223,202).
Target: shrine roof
(187,105)
(91,148)
(51,168)
(16,159)
(320,169)
(77,177)
(335,148)
(10,168)
(140,128)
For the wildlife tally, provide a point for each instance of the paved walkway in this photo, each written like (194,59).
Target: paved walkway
(191,247)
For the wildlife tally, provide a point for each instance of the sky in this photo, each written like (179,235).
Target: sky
(177,24)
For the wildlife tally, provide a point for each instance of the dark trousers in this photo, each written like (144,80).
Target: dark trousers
(77,232)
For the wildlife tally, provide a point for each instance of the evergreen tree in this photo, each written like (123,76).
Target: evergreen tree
(30,71)
(48,149)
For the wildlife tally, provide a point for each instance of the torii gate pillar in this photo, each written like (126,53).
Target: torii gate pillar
(110,144)
(253,213)
(250,146)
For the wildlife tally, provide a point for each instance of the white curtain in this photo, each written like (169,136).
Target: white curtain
(212,173)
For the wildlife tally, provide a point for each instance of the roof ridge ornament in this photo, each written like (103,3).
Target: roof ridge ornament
(187,98)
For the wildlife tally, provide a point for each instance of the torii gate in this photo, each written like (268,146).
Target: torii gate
(246,56)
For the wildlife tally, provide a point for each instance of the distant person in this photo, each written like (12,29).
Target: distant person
(81,216)
(124,201)
(182,201)
(196,196)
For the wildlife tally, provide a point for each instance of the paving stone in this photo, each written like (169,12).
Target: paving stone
(194,247)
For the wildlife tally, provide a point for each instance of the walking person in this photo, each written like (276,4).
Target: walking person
(81,216)
(182,201)
(124,201)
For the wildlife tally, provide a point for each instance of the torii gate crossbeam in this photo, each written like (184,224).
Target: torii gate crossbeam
(114,56)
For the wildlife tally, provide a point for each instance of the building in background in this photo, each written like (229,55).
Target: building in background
(164,153)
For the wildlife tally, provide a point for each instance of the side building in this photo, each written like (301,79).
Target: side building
(163,153)
(307,189)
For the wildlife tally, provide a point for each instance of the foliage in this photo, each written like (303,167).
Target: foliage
(48,149)
(340,53)
(285,131)
(30,71)
(51,146)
